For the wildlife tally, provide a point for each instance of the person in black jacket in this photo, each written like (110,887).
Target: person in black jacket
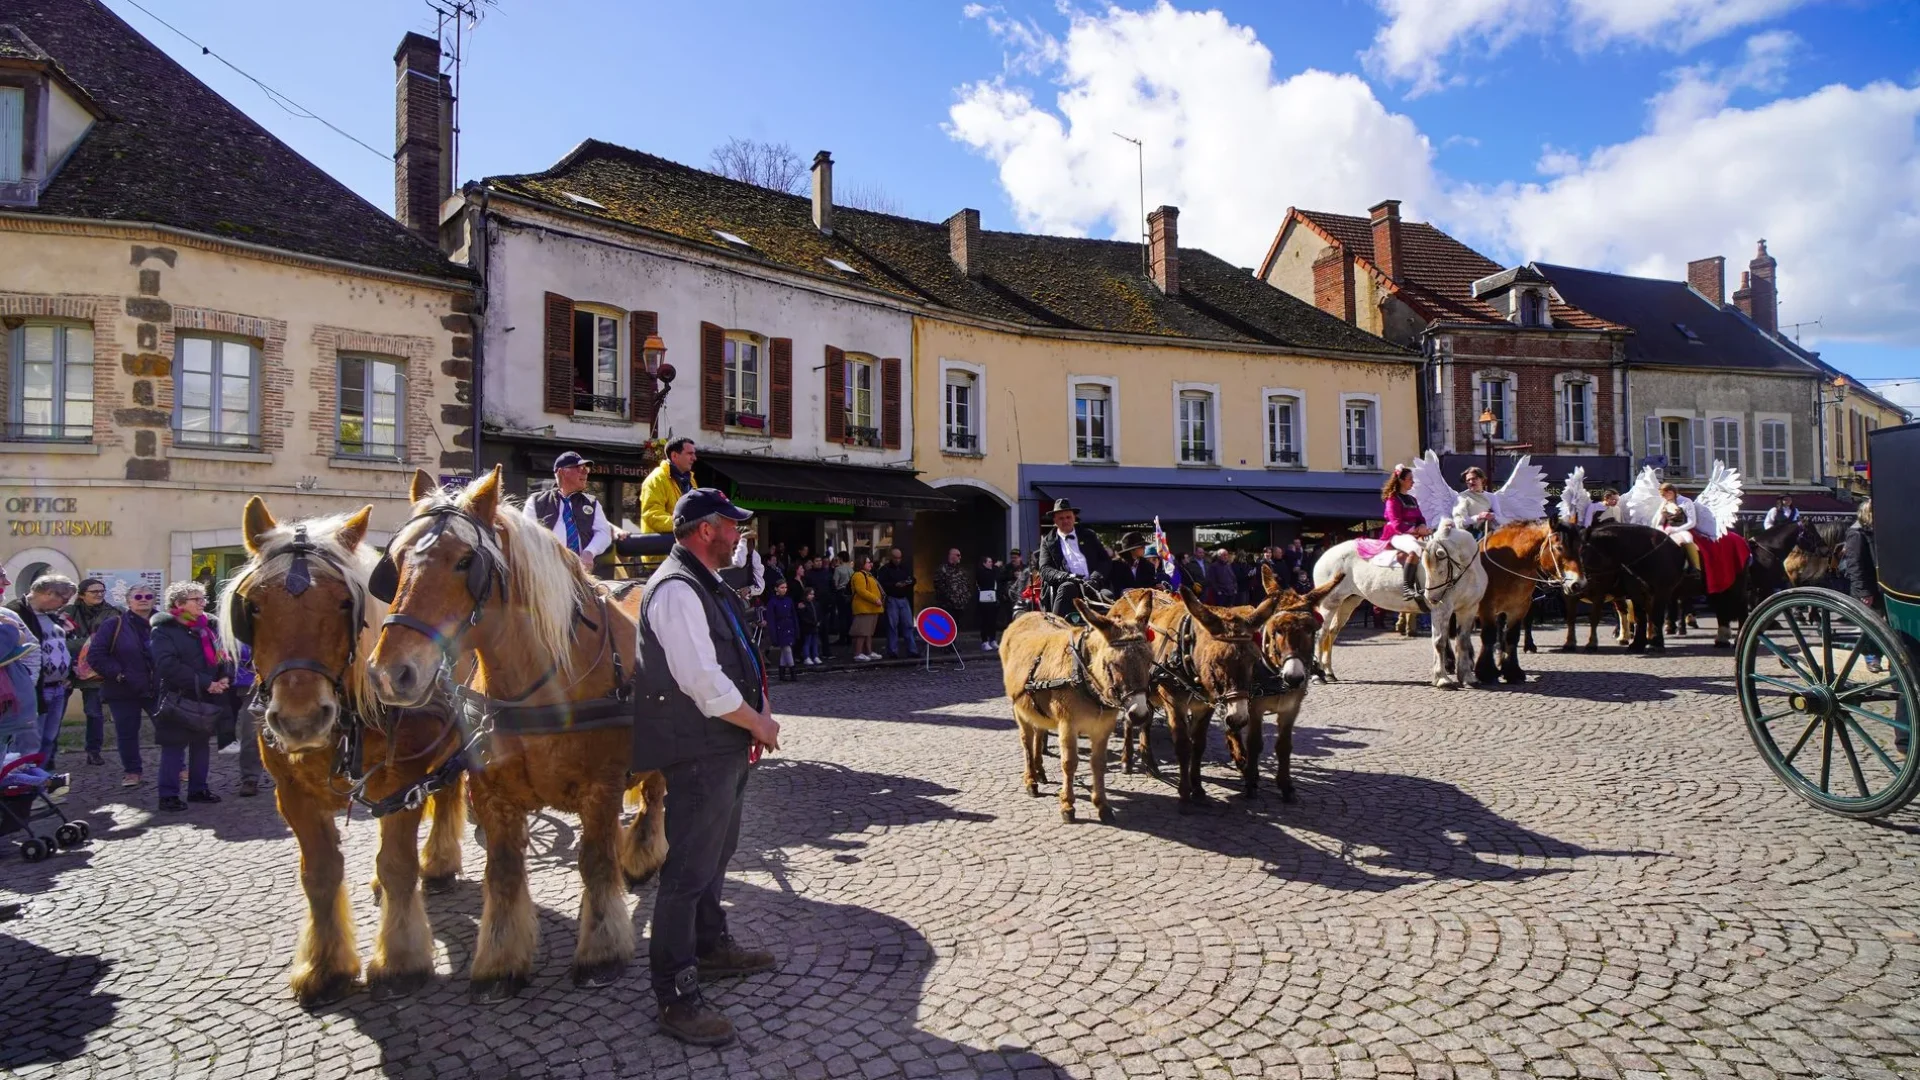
(1857,562)
(1131,568)
(1073,562)
(187,661)
(121,650)
(986,584)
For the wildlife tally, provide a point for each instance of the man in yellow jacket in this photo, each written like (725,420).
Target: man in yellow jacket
(663,488)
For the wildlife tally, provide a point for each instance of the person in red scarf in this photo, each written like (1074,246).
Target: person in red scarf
(188,661)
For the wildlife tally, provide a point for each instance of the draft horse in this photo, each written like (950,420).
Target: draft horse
(301,603)
(1518,556)
(548,707)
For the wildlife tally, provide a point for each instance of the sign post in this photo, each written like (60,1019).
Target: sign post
(937,628)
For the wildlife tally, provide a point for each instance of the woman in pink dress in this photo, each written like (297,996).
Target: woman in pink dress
(1406,527)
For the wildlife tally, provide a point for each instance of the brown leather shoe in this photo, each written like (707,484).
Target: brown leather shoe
(693,1020)
(728,958)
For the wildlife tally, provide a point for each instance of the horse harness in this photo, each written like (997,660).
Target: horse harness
(1081,679)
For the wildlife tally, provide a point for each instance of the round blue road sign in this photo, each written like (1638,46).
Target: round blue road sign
(936,626)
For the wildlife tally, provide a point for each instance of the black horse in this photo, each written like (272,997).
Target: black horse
(1638,564)
(1791,553)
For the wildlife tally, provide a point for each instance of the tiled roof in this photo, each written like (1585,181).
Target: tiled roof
(16,45)
(172,152)
(1674,326)
(1042,281)
(1435,271)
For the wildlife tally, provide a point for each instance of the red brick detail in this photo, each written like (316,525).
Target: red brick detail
(111,383)
(1536,413)
(417,353)
(1333,284)
(276,378)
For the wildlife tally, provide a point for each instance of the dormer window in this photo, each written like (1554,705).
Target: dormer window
(13,134)
(1533,307)
(43,114)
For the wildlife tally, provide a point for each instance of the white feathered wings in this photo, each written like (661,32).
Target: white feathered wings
(1522,498)
(1714,509)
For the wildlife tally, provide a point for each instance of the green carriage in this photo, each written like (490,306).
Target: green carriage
(1828,688)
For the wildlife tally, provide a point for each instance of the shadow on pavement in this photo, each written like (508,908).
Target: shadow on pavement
(48,1004)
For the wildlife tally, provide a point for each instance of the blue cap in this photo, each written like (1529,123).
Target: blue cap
(701,502)
(569,459)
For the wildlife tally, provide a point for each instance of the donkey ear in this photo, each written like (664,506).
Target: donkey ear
(482,497)
(423,486)
(1145,615)
(1264,612)
(255,524)
(1201,613)
(354,529)
(1267,579)
(1094,619)
(1313,598)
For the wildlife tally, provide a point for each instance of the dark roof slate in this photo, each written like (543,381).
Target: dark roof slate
(1656,310)
(1053,282)
(172,152)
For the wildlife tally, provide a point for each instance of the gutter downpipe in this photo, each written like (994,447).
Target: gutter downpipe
(1421,380)
(481,243)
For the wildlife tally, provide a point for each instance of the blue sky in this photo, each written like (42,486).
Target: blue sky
(1624,134)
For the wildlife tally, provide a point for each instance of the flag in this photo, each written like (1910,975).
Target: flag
(1165,550)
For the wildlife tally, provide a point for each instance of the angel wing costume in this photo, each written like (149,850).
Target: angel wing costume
(1522,498)
(1576,506)
(1710,515)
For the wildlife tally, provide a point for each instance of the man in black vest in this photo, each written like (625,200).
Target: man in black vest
(701,716)
(1073,562)
(574,516)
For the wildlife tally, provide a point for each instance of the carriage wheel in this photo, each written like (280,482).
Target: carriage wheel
(86,830)
(1830,698)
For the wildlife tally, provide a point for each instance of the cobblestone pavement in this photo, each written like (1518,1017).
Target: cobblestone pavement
(1593,875)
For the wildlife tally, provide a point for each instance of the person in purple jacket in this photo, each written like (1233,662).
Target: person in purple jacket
(783,628)
(1406,528)
(121,650)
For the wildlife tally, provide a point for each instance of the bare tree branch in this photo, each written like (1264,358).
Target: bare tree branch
(765,164)
(870,197)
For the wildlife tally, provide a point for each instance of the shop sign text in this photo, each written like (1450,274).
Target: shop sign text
(43,526)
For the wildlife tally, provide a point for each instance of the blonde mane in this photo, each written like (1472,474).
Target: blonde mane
(270,566)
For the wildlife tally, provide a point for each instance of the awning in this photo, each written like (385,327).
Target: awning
(1131,504)
(1342,505)
(780,483)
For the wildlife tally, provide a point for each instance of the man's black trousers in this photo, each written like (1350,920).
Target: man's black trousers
(704,797)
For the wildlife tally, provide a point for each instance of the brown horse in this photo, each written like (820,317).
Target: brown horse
(1519,556)
(301,602)
(1286,661)
(549,696)
(1075,681)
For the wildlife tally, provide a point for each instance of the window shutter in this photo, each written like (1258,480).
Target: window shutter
(780,411)
(1653,437)
(640,401)
(890,403)
(836,425)
(713,377)
(1699,449)
(559,353)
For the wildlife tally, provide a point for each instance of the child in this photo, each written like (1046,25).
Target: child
(808,613)
(782,628)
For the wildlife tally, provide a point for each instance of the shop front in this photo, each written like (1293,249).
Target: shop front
(824,507)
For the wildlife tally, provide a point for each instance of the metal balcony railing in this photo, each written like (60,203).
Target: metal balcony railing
(600,403)
(1360,461)
(47,433)
(1284,457)
(1092,450)
(863,436)
(958,439)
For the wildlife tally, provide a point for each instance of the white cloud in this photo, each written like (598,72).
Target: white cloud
(1422,37)
(1702,90)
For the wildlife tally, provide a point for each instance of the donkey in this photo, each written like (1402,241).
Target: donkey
(1286,661)
(1206,661)
(1518,556)
(1076,681)
(550,694)
(301,603)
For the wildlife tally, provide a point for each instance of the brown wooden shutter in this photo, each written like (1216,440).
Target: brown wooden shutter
(640,402)
(890,402)
(836,395)
(559,353)
(780,418)
(713,378)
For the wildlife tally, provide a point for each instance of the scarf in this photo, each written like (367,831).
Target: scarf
(202,628)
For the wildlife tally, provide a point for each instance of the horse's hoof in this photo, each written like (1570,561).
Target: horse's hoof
(325,992)
(395,985)
(1106,814)
(1033,791)
(1513,678)
(493,991)
(1286,793)
(1066,815)
(636,882)
(1445,684)
(1596,648)
(1723,644)
(437,885)
(605,973)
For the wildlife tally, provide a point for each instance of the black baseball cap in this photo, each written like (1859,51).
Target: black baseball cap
(569,459)
(701,502)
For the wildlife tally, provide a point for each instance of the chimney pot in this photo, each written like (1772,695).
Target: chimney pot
(1765,304)
(1163,248)
(1386,236)
(1709,278)
(963,243)
(823,192)
(422,177)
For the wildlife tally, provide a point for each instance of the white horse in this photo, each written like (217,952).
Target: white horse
(1455,580)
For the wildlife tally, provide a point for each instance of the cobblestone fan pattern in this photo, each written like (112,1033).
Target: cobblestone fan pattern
(1593,875)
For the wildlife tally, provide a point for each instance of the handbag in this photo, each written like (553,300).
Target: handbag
(988,596)
(83,668)
(181,721)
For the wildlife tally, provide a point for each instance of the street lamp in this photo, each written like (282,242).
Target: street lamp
(653,356)
(1488,426)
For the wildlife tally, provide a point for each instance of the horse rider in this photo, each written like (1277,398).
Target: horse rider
(1676,519)
(1607,509)
(1073,563)
(575,516)
(1473,510)
(1406,528)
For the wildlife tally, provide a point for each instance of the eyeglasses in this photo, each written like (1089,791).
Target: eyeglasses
(95,592)
(140,596)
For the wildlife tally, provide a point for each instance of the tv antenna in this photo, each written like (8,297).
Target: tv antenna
(462,16)
(1140,159)
(1795,328)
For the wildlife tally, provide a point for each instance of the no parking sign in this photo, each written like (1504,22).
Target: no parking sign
(936,626)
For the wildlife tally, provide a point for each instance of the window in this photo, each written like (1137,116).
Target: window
(1676,444)
(217,395)
(1726,440)
(1283,429)
(1773,451)
(13,134)
(1533,308)
(861,430)
(373,396)
(1496,397)
(596,363)
(53,377)
(1092,409)
(1358,426)
(743,380)
(1576,412)
(961,428)
(1195,427)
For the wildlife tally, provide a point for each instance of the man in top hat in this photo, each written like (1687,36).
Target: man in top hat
(574,516)
(1131,568)
(1073,562)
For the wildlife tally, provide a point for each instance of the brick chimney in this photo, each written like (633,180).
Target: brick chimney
(422,177)
(1386,236)
(1163,249)
(1766,300)
(1709,278)
(1333,284)
(963,243)
(823,192)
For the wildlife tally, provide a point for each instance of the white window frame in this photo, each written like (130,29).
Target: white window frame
(62,389)
(369,450)
(1269,395)
(1561,385)
(1112,386)
(1760,422)
(617,319)
(853,362)
(977,412)
(1212,392)
(1692,429)
(1372,401)
(1509,425)
(217,437)
(732,395)
(1735,457)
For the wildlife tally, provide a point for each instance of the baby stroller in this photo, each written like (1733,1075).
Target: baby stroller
(23,783)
